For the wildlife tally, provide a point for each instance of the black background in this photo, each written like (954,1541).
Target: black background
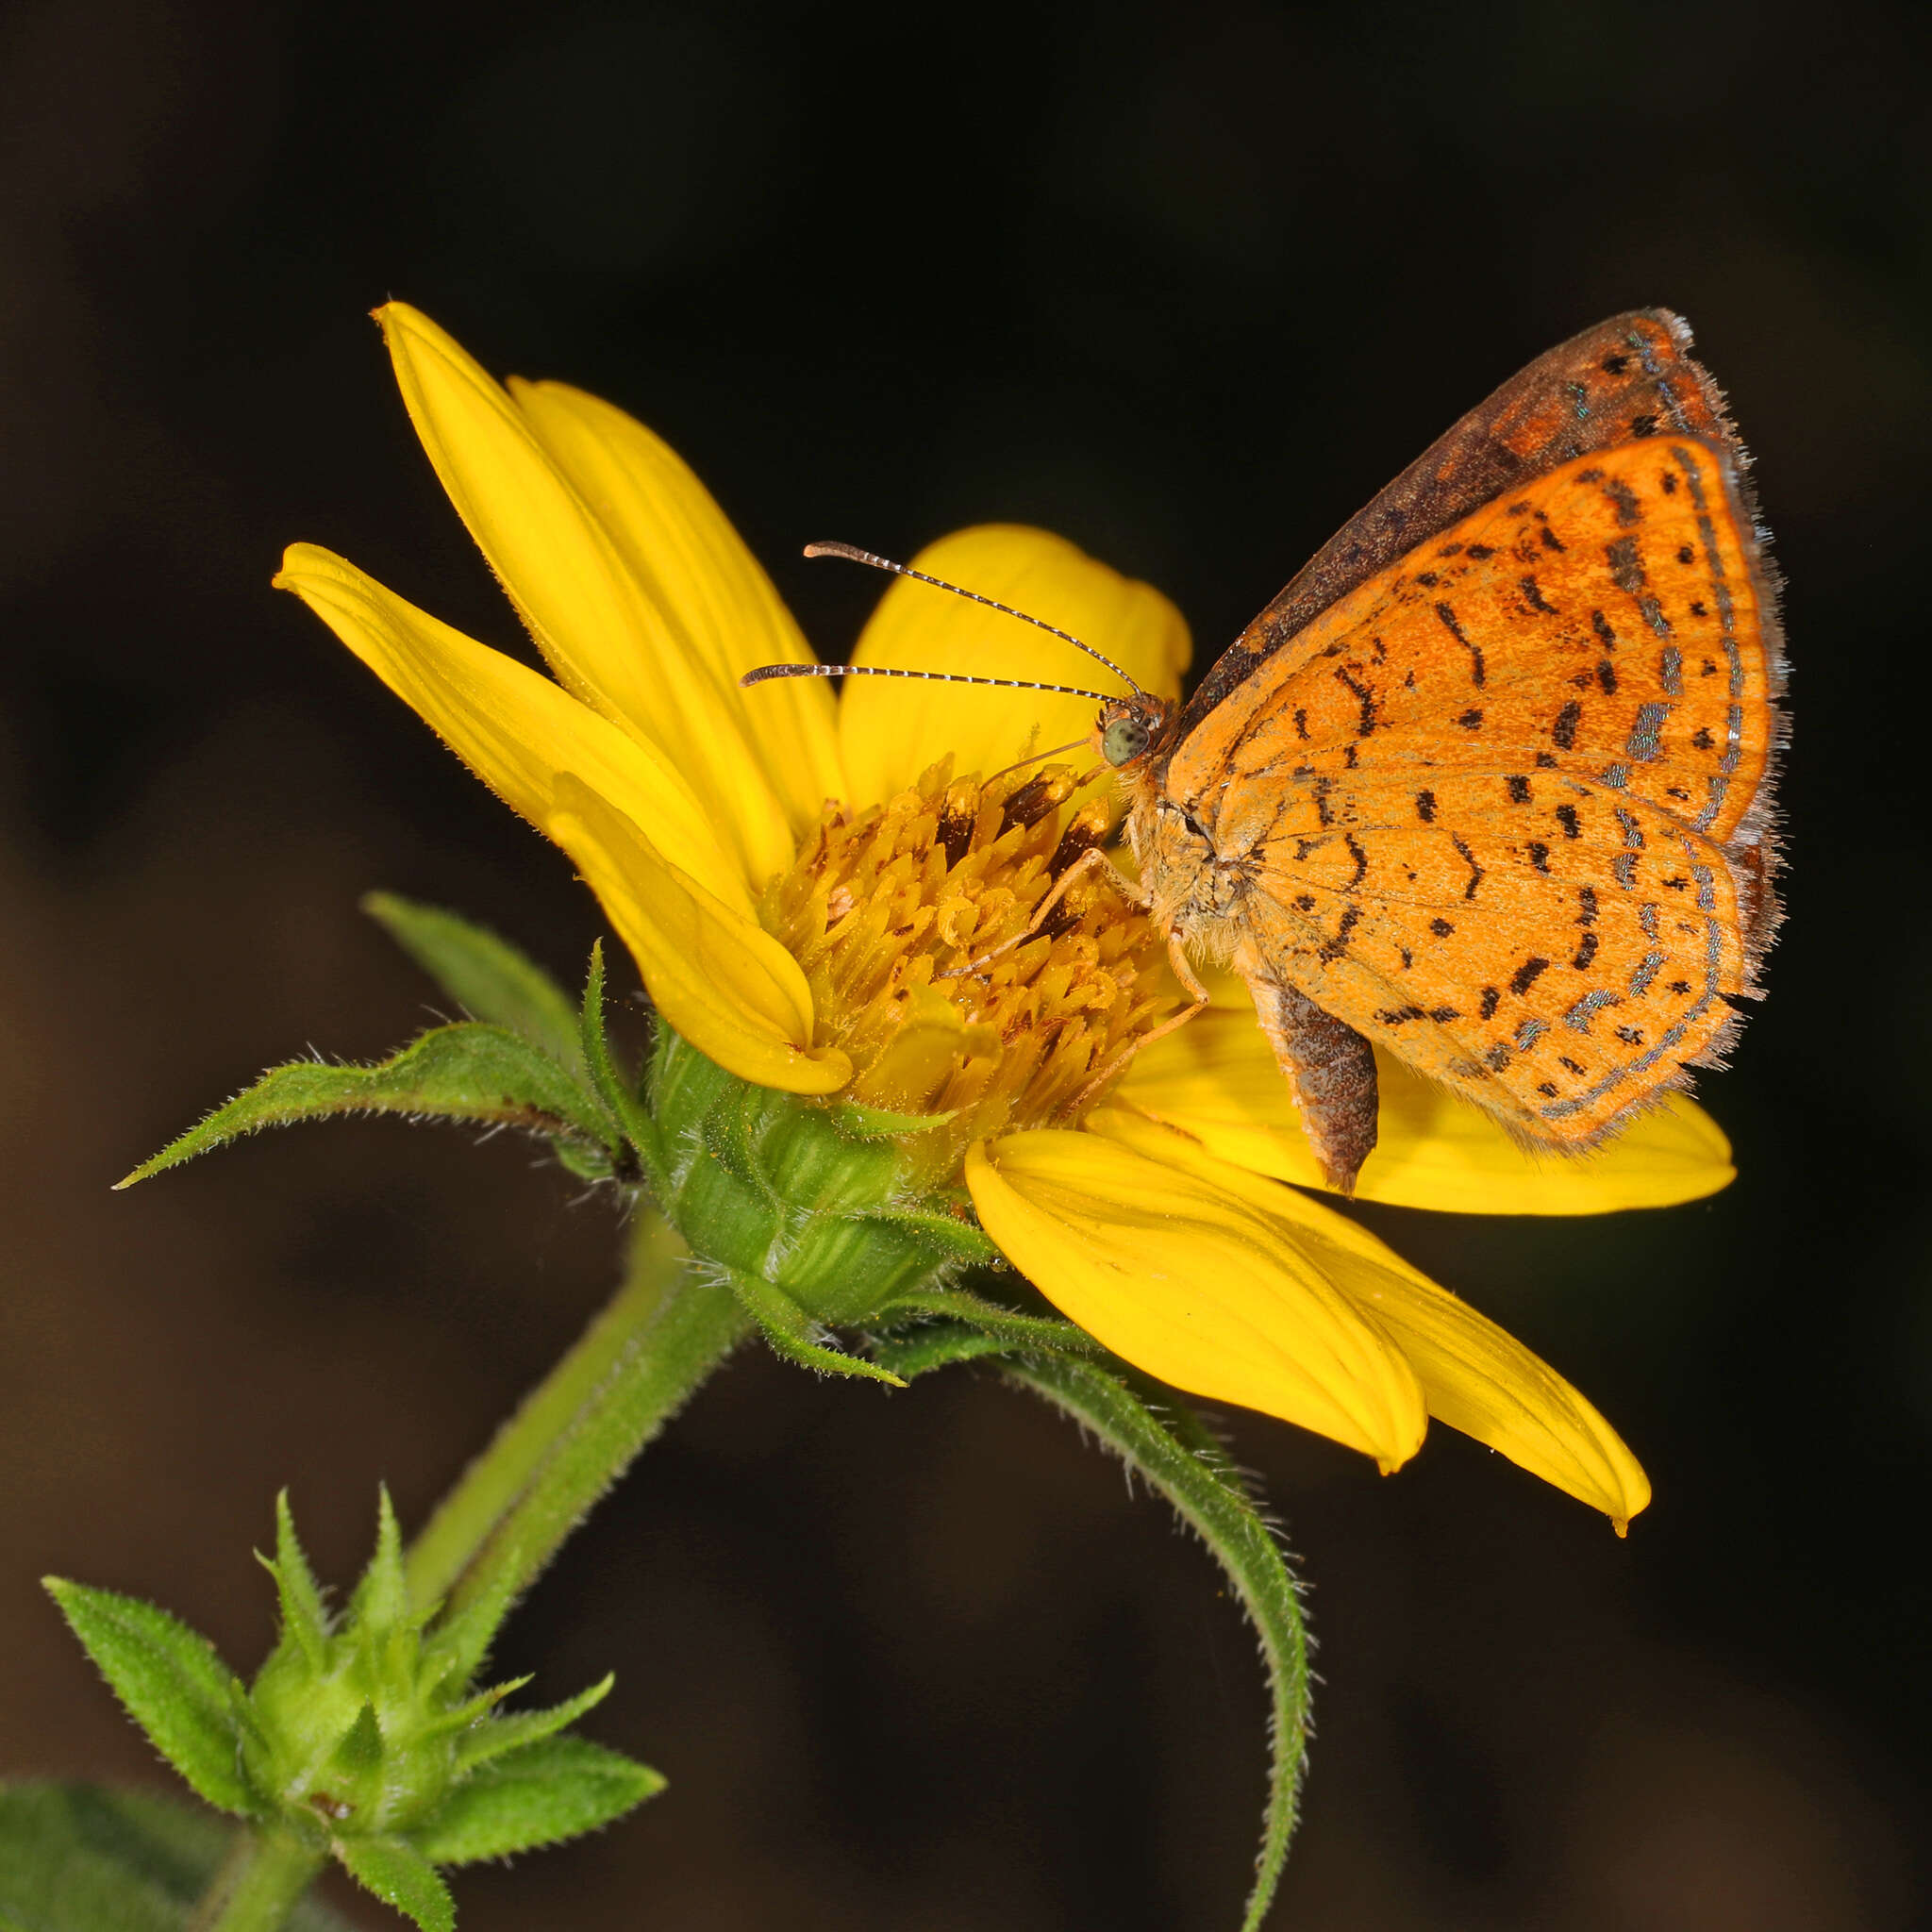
(1186,284)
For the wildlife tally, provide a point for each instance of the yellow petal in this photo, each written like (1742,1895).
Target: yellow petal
(890,730)
(513,727)
(696,570)
(602,634)
(1186,1281)
(1216,1078)
(1477,1377)
(725,984)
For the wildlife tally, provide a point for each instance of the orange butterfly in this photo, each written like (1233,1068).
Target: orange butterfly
(1489,783)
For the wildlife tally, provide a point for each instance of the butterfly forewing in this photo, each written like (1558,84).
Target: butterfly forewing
(1496,807)
(1625,379)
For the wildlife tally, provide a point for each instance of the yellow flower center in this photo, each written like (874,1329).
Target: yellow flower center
(911,921)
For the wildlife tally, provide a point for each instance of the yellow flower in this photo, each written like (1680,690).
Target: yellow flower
(803,885)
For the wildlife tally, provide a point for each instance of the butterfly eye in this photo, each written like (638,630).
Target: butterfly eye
(1124,741)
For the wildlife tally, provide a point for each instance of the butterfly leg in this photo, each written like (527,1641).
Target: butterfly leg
(1190,984)
(1084,867)
(1331,1073)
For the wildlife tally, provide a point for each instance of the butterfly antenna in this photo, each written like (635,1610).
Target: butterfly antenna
(765,672)
(856,555)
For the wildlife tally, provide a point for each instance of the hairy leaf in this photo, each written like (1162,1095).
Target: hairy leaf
(557,1789)
(400,1876)
(171,1682)
(464,1072)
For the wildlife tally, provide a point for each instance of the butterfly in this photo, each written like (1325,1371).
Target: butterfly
(1489,785)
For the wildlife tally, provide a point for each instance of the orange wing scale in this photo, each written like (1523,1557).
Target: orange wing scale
(1497,807)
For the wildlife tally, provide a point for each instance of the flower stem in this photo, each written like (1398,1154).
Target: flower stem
(265,1872)
(576,1432)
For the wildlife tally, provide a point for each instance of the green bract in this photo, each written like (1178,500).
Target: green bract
(362,1738)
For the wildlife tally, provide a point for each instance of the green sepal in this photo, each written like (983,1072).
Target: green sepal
(486,975)
(400,1876)
(78,1857)
(359,1753)
(462,1716)
(934,1345)
(465,1072)
(794,1334)
(170,1681)
(482,1742)
(382,1594)
(461,1641)
(999,1324)
(633,1122)
(728,1135)
(881,1123)
(304,1616)
(1174,1451)
(555,1788)
(587,1162)
(946,1234)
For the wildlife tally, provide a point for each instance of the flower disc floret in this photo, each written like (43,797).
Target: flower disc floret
(911,921)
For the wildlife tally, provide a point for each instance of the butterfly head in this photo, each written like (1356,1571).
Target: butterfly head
(1129,729)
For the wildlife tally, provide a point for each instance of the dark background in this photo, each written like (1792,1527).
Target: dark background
(1186,284)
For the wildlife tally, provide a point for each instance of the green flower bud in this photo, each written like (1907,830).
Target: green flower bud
(817,1200)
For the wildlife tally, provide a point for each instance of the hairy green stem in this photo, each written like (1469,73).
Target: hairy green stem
(259,1884)
(576,1432)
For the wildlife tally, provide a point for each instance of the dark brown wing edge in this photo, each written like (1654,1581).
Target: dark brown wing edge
(1631,376)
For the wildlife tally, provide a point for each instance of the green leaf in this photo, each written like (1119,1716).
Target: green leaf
(305,1617)
(794,1334)
(466,1073)
(171,1682)
(401,1876)
(1180,1457)
(483,1741)
(624,1107)
(486,976)
(77,1857)
(557,1788)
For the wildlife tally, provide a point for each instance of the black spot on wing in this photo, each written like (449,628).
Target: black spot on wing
(1527,973)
